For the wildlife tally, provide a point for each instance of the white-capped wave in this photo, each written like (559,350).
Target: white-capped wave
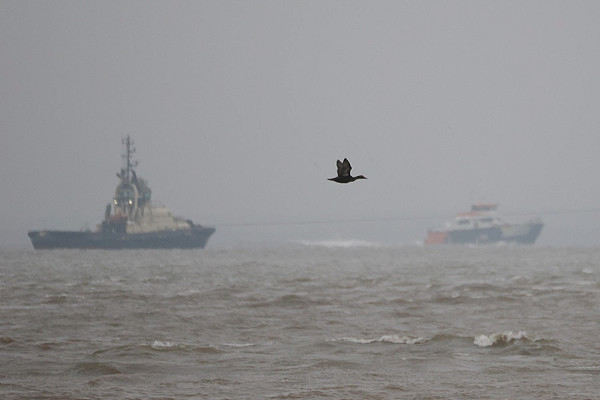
(160,345)
(501,338)
(587,271)
(238,344)
(339,243)
(395,339)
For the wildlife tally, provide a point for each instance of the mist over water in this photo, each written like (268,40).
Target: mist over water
(239,111)
(313,320)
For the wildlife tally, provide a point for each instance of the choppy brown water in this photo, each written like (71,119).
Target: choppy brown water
(330,320)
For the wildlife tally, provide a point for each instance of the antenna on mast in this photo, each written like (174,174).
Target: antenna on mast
(128,158)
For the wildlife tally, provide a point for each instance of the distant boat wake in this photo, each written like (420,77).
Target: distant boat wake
(339,243)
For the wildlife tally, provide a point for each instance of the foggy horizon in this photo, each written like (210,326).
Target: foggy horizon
(239,111)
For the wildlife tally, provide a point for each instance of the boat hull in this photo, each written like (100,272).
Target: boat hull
(193,238)
(508,233)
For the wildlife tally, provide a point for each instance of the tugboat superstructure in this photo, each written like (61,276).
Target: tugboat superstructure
(130,221)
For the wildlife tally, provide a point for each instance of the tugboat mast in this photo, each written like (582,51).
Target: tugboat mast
(128,156)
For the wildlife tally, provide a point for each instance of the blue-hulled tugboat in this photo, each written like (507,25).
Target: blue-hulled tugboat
(130,222)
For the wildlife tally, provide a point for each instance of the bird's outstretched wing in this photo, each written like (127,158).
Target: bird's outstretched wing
(347,165)
(344,168)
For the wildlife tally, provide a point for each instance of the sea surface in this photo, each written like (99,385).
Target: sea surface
(315,320)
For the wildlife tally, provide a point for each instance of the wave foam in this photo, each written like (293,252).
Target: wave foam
(238,344)
(160,345)
(500,338)
(394,339)
(339,243)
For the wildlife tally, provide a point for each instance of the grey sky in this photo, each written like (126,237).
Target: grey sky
(240,109)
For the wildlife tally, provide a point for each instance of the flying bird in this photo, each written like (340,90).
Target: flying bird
(343,173)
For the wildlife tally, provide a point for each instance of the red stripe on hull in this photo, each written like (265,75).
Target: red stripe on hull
(436,238)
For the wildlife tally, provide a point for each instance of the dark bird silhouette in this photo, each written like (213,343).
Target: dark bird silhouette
(343,172)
